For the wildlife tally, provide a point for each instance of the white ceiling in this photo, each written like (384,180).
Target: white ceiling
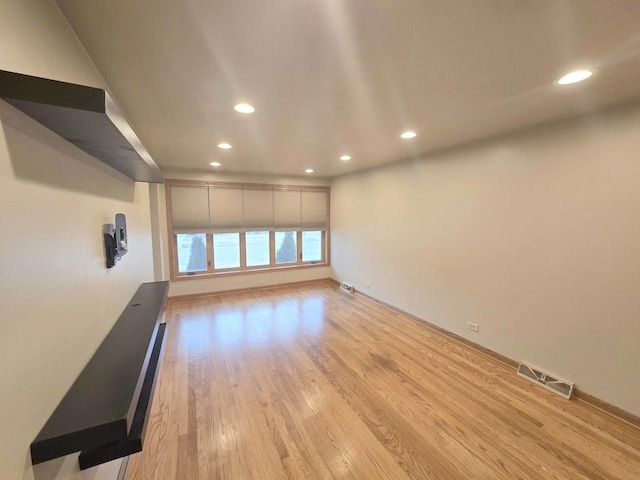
(334,77)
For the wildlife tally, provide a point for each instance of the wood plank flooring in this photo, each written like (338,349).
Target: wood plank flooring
(305,382)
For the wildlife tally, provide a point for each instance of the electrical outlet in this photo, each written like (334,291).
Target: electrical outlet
(367,284)
(473,326)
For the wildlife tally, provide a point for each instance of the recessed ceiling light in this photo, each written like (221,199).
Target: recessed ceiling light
(345,157)
(215,164)
(225,146)
(408,134)
(309,170)
(244,108)
(575,77)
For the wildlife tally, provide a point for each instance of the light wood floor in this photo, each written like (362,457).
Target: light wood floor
(306,382)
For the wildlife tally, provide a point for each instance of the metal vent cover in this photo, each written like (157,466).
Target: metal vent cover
(546,380)
(347,287)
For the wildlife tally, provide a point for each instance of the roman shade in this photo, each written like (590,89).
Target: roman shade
(225,207)
(286,210)
(190,209)
(258,209)
(314,210)
(220,208)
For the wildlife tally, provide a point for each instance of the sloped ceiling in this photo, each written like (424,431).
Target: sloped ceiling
(334,77)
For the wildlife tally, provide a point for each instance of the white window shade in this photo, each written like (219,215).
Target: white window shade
(314,210)
(190,209)
(258,209)
(286,210)
(225,207)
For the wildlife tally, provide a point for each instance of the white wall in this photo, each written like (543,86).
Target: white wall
(58,299)
(248,280)
(535,236)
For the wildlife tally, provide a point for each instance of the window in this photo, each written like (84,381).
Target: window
(223,228)
(258,249)
(286,247)
(226,250)
(190,227)
(192,252)
(312,246)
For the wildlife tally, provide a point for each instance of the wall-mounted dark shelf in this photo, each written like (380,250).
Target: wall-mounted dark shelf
(104,412)
(86,117)
(133,442)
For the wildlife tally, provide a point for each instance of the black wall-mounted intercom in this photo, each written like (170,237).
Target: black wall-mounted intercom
(115,239)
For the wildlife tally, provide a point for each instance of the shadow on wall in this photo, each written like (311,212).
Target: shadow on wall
(62,468)
(46,470)
(40,156)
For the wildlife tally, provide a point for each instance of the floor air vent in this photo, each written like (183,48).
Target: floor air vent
(546,380)
(346,287)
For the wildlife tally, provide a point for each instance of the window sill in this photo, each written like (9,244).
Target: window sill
(205,275)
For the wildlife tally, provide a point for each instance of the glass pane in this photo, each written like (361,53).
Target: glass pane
(192,252)
(311,246)
(226,250)
(257,248)
(286,247)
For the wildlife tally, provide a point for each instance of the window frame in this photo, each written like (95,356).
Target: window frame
(212,261)
(211,272)
(243,252)
(177,257)
(323,240)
